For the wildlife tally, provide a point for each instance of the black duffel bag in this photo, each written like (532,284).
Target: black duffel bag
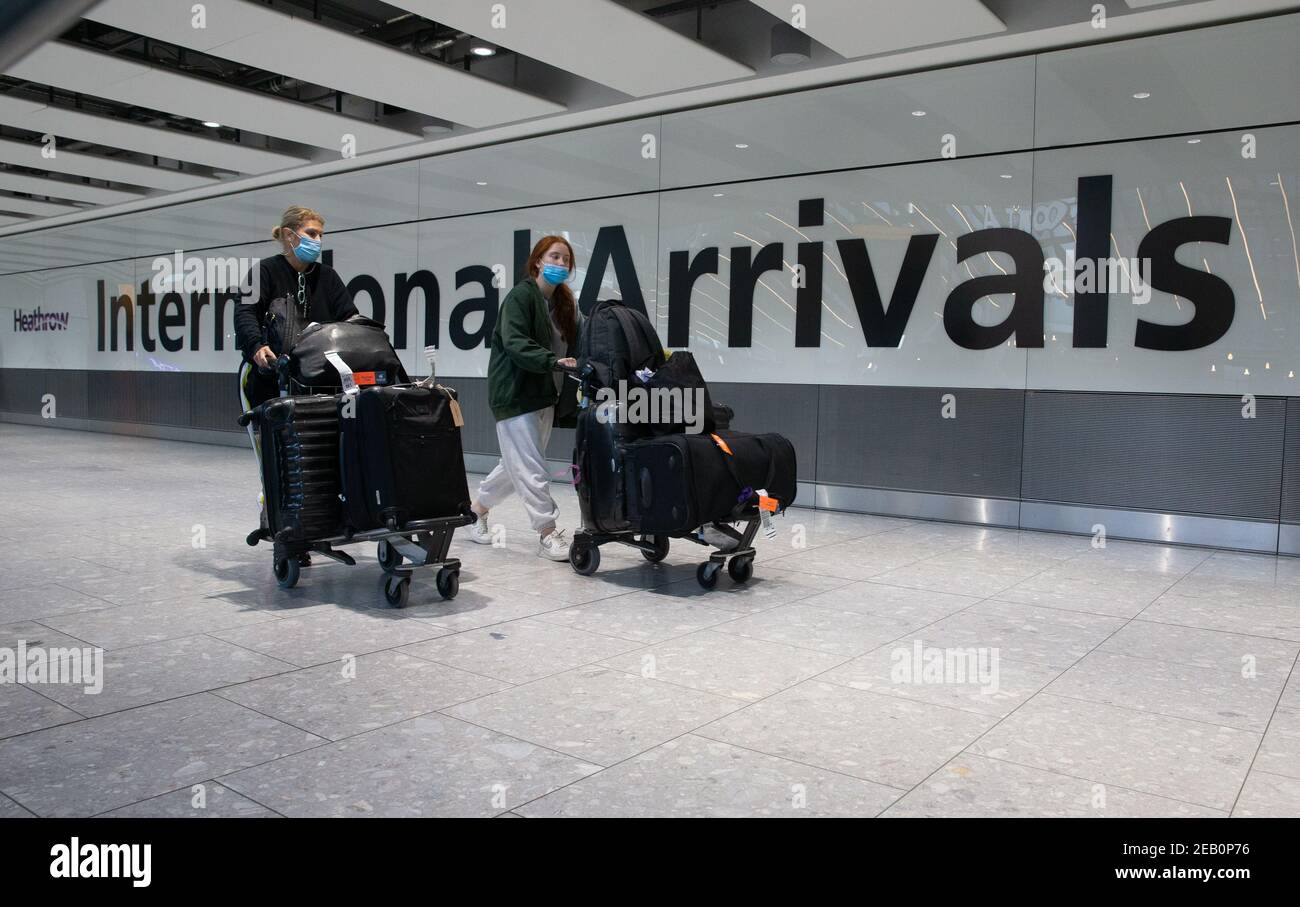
(359,341)
(673,381)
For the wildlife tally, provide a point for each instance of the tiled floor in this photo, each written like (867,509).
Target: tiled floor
(1134,679)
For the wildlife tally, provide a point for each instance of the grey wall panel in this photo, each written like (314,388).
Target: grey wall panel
(1168,454)
(214,401)
(1291,464)
(158,398)
(23,391)
(479,434)
(897,438)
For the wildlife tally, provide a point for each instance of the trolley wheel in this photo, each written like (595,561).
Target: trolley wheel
(707,574)
(287,570)
(584,558)
(741,568)
(661,549)
(397,590)
(389,557)
(448,582)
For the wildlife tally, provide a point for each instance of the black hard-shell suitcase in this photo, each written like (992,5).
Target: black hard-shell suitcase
(401,457)
(598,470)
(676,483)
(299,439)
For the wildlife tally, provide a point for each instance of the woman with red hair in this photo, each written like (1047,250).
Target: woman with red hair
(536,331)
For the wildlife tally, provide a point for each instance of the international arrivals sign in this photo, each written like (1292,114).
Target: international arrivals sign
(161,319)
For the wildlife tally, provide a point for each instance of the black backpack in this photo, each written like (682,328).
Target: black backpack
(616,341)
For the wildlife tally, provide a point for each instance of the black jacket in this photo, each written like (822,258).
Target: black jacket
(327,299)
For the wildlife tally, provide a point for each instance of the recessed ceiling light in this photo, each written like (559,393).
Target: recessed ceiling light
(481,183)
(481,48)
(918,113)
(211,124)
(717,195)
(1141,95)
(1193,141)
(741,145)
(1005,176)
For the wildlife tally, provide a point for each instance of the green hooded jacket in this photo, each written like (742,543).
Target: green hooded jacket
(521,363)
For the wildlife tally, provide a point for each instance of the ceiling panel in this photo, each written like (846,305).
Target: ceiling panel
(28,154)
(596,39)
(105,76)
(303,49)
(79,192)
(168,143)
(6,221)
(32,206)
(861,28)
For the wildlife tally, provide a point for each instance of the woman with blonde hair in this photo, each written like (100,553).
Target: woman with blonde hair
(536,330)
(295,288)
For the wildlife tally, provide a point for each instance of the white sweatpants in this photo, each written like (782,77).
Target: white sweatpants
(523,468)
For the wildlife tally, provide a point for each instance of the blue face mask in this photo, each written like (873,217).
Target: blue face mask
(555,274)
(307,250)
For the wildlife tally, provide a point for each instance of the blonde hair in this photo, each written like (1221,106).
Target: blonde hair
(294,217)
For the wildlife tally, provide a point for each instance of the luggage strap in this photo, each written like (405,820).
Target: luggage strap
(633,325)
(747,491)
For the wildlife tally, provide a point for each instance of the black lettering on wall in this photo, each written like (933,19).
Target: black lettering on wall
(143,301)
(219,302)
(99,311)
(1210,295)
(171,314)
(746,269)
(427,284)
(611,245)
(523,248)
(881,327)
(683,271)
(808,295)
(487,304)
(197,302)
(364,283)
(1025,321)
(1091,308)
(122,304)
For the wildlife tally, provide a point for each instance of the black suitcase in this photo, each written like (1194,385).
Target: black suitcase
(598,470)
(401,457)
(299,439)
(676,483)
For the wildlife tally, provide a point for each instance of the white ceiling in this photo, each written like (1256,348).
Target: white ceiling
(596,39)
(298,47)
(860,28)
(127,88)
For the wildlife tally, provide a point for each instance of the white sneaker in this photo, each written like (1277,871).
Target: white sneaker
(554,546)
(479,531)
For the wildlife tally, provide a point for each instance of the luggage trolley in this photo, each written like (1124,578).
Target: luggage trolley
(400,549)
(584,550)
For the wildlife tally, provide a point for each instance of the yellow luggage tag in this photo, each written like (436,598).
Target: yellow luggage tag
(457,417)
(721,443)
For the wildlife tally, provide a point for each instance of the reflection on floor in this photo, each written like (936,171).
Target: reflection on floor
(872,666)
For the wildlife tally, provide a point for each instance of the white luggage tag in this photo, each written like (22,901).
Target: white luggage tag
(345,374)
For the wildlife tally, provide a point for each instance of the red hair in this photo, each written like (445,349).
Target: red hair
(565,306)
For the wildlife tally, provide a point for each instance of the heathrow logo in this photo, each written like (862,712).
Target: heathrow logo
(38,321)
